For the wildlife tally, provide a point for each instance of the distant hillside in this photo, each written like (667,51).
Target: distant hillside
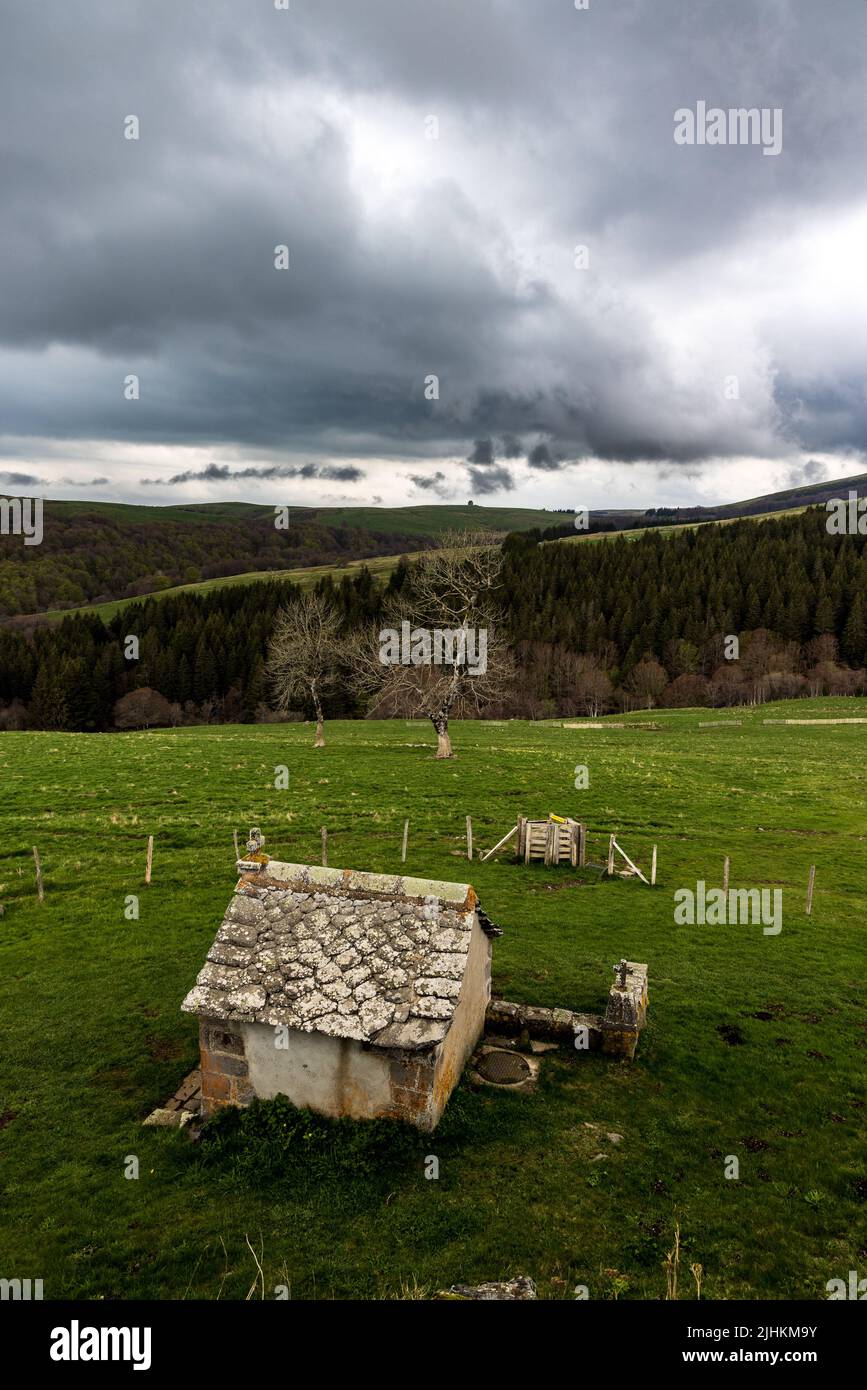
(428,520)
(103,552)
(634,620)
(788,499)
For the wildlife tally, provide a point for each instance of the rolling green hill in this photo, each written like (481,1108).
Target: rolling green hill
(101,553)
(427,521)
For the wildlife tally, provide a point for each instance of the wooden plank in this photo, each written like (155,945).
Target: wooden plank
(324,848)
(573,846)
(634,867)
(499,844)
(726,874)
(610,867)
(550,838)
(522,830)
(39,889)
(150,859)
(582,846)
(469,837)
(237,849)
(810,885)
(653,868)
(405,838)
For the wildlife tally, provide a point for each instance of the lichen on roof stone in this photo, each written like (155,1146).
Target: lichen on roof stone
(371,957)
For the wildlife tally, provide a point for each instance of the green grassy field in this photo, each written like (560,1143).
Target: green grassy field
(755,1045)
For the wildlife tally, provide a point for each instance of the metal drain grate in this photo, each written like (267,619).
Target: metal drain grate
(503,1068)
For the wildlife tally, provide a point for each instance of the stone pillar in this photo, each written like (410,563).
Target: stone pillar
(626,1012)
(225,1079)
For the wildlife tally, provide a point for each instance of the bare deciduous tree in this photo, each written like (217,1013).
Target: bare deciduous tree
(303,655)
(451,590)
(648,680)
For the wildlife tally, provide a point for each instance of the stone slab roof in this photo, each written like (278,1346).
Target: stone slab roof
(371,957)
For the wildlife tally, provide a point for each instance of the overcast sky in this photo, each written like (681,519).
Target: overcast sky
(709,344)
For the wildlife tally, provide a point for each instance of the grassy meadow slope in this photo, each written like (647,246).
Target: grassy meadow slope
(429,520)
(380,566)
(92,1037)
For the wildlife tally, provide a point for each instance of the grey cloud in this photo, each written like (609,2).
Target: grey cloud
(810,472)
(486,480)
(20,480)
(540,457)
(221,473)
(482,453)
(511,447)
(432,482)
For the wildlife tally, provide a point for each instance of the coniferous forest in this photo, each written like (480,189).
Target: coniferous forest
(618,623)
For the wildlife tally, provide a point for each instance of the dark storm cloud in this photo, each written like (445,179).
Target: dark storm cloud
(221,473)
(156,256)
(482,453)
(540,457)
(511,447)
(496,479)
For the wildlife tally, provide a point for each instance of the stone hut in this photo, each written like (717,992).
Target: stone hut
(350,993)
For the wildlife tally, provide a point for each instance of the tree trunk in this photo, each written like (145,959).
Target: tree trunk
(319,741)
(444,743)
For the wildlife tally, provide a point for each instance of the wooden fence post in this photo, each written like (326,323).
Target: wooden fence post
(809,907)
(726,874)
(39,891)
(150,859)
(469,837)
(324,848)
(237,850)
(405,838)
(653,868)
(610,869)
